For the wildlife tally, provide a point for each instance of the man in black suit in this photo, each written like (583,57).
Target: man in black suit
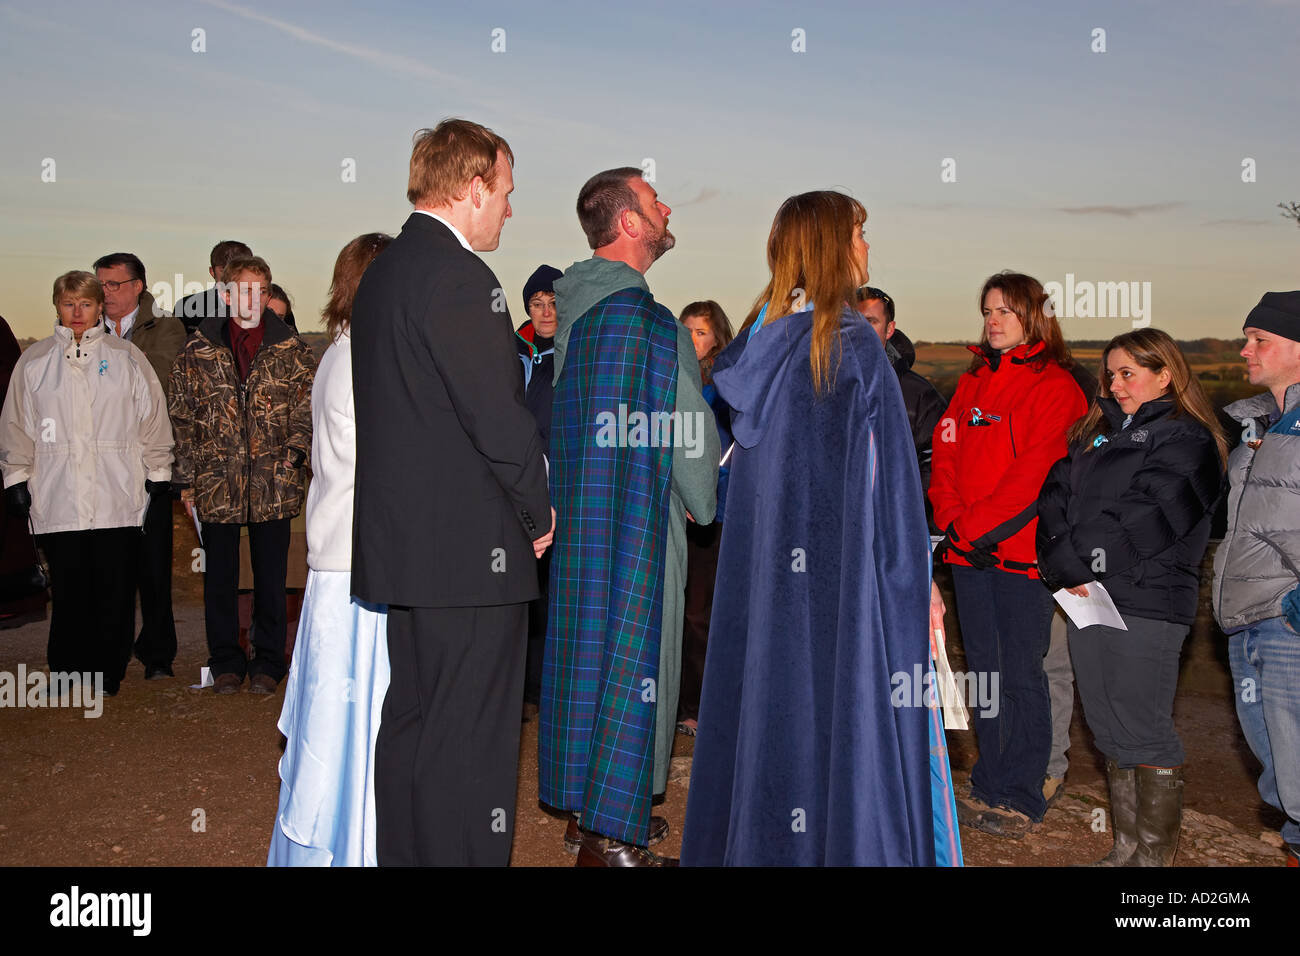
(451,508)
(194,308)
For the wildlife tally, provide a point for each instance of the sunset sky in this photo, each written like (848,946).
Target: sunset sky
(1116,166)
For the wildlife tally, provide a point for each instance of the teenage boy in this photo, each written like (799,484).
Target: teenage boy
(240,403)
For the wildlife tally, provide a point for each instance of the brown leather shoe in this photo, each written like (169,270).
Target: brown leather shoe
(226,684)
(261,684)
(969,809)
(597,850)
(1005,821)
(573,833)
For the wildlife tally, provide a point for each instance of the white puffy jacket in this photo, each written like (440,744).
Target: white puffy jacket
(84,425)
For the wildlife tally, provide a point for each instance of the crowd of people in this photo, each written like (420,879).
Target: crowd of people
(501,517)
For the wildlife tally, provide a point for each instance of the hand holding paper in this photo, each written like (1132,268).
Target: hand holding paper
(1096,608)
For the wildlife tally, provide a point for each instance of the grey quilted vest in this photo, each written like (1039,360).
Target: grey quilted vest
(1258,562)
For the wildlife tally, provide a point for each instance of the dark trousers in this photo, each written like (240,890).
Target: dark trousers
(156,643)
(1126,681)
(268,546)
(537,617)
(447,755)
(1006,622)
(92,615)
(702,544)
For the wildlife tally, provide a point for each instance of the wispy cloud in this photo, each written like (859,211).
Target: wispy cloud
(388,61)
(704,195)
(1240,222)
(1126,212)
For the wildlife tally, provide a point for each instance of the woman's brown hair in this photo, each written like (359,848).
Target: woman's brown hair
(351,263)
(718,324)
(810,254)
(1153,350)
(1024,295)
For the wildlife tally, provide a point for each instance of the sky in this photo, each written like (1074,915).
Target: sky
(979,136)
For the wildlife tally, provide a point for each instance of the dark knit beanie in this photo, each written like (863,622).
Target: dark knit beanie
(543,280)
(1277,312)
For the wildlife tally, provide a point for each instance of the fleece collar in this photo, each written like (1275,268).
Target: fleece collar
(1022,354)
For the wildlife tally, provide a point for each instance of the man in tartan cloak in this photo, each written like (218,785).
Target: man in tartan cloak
(634,450)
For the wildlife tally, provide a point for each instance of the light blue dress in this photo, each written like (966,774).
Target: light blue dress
(332,704)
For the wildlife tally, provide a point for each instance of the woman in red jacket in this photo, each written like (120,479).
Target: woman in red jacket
(1003,430)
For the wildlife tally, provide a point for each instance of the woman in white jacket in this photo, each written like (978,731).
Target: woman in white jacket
(84,441)
(339,674)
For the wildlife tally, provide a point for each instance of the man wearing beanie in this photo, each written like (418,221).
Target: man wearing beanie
(535,344)
(1256,600)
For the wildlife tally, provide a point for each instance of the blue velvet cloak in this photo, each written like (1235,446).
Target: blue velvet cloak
(822,597)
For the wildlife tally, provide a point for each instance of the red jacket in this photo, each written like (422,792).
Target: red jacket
(985,477)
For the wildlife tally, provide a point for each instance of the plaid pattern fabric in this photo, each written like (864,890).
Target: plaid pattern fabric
(601,671)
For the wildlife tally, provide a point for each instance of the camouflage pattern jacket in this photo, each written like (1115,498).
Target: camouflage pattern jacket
(233,440)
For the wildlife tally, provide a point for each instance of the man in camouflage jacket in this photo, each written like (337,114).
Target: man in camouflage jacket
(243,434)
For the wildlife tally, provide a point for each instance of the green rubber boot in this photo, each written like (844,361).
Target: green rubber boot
(1159,816)
(1123,815)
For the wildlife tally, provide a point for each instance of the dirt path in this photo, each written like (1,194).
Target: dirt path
(174,776)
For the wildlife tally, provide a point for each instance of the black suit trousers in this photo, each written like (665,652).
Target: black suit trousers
(447,755)
(156,644)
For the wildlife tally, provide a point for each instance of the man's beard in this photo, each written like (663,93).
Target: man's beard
(657,243)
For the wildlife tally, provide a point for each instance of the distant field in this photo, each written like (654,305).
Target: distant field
(1215,362)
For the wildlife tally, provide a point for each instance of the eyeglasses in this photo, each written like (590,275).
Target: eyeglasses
(111,286)
(871,292)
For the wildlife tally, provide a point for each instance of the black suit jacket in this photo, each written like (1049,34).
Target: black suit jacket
(450,481)
(198,306)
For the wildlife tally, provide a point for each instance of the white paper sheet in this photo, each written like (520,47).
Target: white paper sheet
(955,714)
(1096,608)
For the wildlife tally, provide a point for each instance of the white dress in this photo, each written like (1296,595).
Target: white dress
(339,674)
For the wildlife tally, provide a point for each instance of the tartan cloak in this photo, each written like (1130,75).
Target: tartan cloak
(601,671)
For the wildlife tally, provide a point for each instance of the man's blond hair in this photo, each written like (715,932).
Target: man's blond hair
(446,159)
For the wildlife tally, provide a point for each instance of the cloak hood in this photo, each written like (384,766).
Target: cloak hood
(583,285)
(750,373)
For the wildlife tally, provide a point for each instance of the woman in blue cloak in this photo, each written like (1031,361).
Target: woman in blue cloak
(812,747)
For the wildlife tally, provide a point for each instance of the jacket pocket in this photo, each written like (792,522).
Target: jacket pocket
(286,491)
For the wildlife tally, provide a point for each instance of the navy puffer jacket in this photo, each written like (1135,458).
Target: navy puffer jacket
(1132,510)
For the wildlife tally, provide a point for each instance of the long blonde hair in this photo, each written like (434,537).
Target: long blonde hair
(1153,350)
(810,255)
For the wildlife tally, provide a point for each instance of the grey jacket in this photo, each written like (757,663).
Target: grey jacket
(1258,563)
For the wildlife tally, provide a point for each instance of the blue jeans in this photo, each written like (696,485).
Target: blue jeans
(1006,624)
(1265,661)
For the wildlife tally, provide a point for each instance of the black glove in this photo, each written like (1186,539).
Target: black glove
(18,500)
(296,457)
(980,558)
(157,487)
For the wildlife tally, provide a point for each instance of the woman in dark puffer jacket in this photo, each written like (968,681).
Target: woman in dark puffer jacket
(1130,506)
